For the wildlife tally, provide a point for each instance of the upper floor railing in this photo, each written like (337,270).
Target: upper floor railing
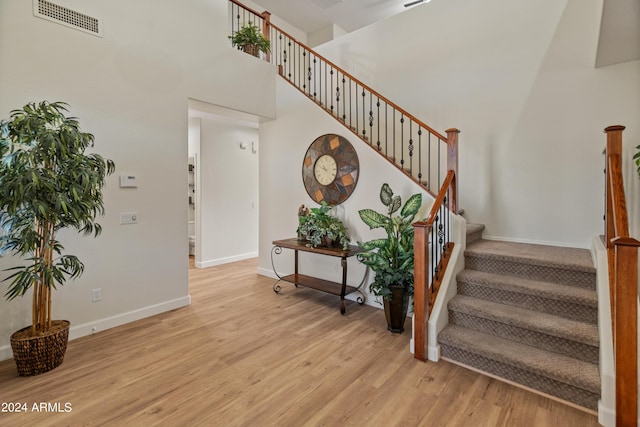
(622,253)
(419,151)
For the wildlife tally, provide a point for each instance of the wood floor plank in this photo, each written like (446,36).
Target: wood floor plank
(241,355)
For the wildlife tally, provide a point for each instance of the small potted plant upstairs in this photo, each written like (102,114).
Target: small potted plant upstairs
(47,183)
(250,39)
(391,257)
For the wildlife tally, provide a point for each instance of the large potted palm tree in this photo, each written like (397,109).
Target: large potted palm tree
(391,257)
(47,183)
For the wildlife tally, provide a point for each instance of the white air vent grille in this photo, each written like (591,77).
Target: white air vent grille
(67,17)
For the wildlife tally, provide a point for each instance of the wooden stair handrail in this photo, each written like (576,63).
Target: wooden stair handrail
(359,82)
(422,293)
(622,254)
(267,34)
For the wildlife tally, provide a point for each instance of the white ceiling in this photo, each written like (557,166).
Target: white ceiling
(619,30)
(350,15)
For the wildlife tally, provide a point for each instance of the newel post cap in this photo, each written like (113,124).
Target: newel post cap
(614,128)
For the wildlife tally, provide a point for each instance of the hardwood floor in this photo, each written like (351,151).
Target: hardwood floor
(241,355)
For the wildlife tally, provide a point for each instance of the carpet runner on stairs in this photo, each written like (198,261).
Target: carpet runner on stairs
(528,314)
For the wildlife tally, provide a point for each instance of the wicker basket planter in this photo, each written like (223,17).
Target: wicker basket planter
(251,49)
(40,354)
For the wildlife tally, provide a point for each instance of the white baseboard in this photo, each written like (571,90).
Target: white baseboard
(267,272)
(226,260)
(113,321)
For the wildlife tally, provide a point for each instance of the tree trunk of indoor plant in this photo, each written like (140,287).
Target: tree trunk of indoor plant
(395,309)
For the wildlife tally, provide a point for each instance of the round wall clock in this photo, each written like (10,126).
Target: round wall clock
(330,169)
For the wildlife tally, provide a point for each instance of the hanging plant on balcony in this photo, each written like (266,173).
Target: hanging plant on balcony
(250,39)
(47,183)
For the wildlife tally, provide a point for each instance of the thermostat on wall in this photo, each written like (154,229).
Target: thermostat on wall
(128,181)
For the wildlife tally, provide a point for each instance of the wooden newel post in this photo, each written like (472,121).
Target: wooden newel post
(266,30)
(626,330)
(420,289)
(614,148)
(452,164)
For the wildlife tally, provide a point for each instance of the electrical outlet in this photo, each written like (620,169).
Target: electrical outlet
(96,295)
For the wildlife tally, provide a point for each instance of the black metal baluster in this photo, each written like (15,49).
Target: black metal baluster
(394,135)
(315,78)
(350,107)
(420,154)
(304,84)
(439,182)
(344,101)
(338,95)
(364,126)
(386,129)
(331,80)
(402,141)
(429,164)
(378,122)
(326,85)
(289,61)
(371,118)
(411,147)
(357,128)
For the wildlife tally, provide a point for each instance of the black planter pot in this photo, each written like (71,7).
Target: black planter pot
(395,309)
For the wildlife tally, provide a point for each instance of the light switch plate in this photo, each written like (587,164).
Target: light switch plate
(128,218)
(128,181)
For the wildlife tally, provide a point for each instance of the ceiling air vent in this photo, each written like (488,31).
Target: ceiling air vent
(67,17)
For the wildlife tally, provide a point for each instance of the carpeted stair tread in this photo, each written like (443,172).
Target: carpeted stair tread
(554,291)
(555,326)
(556,367)
(552,256)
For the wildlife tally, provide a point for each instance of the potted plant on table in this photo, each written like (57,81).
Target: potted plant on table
(391,257)
(250,39)
(47,183)
(319,228)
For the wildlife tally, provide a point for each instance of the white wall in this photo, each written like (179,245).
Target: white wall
(131,89)
(518,80)
(283,144)
(228,193)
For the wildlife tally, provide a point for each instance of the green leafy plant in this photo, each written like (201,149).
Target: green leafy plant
(391,257)
(47,183)
(322,229)
(636,158)
(250,39)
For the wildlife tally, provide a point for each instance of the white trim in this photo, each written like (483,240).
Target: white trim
(607,402)
(113,321)
(225,260)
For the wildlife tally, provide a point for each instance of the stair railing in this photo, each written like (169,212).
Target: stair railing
(419,151)
(622,254)
(432,250)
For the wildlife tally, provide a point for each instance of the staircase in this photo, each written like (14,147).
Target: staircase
(527,314)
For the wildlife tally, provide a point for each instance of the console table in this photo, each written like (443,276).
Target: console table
(334,288)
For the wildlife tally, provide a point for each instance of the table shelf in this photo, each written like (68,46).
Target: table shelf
(327,286)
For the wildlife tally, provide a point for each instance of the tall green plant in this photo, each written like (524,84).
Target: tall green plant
(47,183)
(391,257)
